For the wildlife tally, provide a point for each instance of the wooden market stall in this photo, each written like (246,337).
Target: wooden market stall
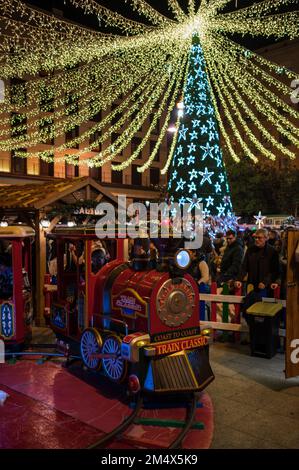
(29,204)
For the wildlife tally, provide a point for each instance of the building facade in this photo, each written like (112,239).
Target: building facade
(136,185)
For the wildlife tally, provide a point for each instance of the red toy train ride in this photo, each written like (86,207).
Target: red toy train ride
(133,321)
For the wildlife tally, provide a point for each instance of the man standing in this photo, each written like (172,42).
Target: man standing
(260,264)
(232,259)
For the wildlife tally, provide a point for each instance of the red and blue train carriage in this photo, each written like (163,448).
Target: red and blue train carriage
(70,286)
(16,309)
(134,322)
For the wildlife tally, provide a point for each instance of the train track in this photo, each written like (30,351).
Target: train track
(117,432)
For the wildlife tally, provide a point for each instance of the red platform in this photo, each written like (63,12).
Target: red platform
(51,408)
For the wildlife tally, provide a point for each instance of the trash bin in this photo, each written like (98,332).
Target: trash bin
(264,320)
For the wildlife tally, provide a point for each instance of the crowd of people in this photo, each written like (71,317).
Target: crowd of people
(256,257)
(237,258)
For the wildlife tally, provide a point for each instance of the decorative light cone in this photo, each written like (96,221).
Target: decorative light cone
(197,172)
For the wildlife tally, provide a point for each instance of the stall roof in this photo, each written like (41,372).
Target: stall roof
(16,231)
(37,196)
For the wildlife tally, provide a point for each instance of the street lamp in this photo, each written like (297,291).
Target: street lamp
(180,105)
(172,128)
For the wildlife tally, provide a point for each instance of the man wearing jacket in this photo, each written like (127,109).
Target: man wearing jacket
(260,264)
(232,259)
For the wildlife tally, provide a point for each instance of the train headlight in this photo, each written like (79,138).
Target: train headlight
(182,259)
(206,332)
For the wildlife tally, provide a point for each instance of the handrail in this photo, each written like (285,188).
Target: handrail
(113,320)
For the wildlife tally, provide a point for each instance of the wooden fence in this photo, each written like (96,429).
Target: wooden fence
(212,302)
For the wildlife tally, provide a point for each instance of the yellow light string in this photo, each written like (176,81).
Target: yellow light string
(175,137)
(63,55)
(231,90)
(278,26)
(247,130)
(110,18)
(244,80)
(64,81)
(143,8)
(191,7)
(233,47)
(176,10)
(128,161)
(120,143)
(66,56)
(172,149)
(98,96)
(271,115)
(64,124)
(258,9)
(216,5)
(164,128)
(147,85)
(16,28)
(226,53)
(12,8)
(113,128)
(126,137)
(262,105)
(225,135)
(125,117)
(231,121)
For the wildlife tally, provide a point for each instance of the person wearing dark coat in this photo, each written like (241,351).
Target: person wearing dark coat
(261,268)
(232,259)
(261,264)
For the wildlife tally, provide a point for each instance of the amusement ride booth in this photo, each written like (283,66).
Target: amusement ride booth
(16,312)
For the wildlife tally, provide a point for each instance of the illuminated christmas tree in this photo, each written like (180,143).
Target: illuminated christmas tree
(197,172)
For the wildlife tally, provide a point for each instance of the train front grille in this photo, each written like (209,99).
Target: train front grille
(181,371)
(172,373)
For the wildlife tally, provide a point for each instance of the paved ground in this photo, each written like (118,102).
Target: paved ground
(255,407)
(50,406)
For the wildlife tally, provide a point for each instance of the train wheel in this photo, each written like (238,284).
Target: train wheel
(90,345)
(115,367)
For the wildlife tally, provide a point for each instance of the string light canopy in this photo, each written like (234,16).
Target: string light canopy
(59,75)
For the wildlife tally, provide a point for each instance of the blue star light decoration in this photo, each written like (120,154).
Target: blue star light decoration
(206,176)
(207,151)
(209,201)
(194,202)
(183,132)
(193,174)
(180,184)
(190,160)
